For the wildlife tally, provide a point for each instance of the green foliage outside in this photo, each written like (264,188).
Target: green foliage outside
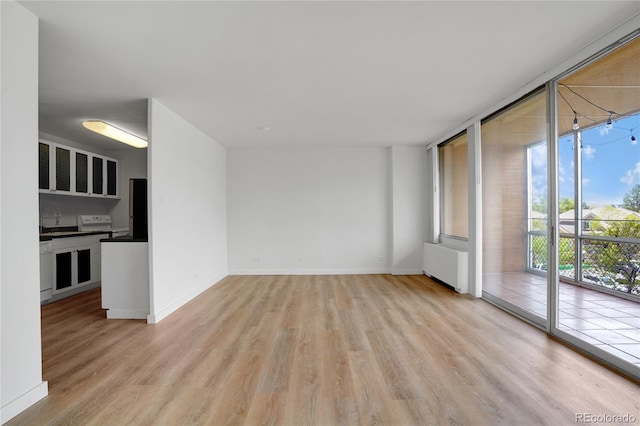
(615,263)
(539,205)
(620,261)
(565,204)
(631,199)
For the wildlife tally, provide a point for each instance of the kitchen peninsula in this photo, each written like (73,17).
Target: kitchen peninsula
(125,277)
(125,262)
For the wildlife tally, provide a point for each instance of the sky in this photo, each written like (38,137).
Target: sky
(610,163)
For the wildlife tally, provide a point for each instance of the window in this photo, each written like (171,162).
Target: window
(454,186)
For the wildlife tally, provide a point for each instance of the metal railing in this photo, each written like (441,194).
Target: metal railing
(609,262)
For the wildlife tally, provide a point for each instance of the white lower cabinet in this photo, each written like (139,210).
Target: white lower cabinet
(46,270)
(75,262)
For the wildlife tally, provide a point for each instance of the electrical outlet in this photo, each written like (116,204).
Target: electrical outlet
(302,260)
(380,258)
(257,259)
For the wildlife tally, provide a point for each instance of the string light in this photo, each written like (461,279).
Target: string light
(609,123)
(576,125)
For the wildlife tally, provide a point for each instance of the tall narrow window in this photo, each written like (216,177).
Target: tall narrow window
(454,186)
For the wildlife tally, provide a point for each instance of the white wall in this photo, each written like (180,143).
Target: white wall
(188,211)
(410,212)
(20,355)
(309,210)
(70,207)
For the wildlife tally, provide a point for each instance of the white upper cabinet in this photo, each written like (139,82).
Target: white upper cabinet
(70,171)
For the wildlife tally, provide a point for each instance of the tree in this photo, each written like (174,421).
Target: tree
(631,199)
(566,204)
(539,204)
(619,260)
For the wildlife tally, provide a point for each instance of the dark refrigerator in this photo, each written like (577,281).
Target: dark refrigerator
(138,228)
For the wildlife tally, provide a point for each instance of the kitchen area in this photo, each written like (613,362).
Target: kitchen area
(93,224)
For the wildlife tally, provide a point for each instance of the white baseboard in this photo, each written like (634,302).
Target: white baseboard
(156,317)
(417,271)
(308,271)
(23,402)
(127,314)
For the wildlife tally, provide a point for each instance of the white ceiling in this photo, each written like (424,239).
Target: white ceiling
(314,73)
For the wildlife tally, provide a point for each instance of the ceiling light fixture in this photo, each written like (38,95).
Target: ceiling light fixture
(106,129)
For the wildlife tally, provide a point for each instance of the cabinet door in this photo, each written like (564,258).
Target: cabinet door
(63,278)
(63,169)
(112,178)
(82,173)
(84,265)
(97,175)
(46,266)
(44,162)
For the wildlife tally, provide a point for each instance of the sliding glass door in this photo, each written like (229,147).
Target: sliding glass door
(598,110)
(514,193)
(561,210)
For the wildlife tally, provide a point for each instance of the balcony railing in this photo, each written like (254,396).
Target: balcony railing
(601,261)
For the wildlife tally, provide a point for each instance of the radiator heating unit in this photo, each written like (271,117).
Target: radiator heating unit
(447,265)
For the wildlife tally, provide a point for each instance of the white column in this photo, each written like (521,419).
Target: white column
(475,209)
(20,348)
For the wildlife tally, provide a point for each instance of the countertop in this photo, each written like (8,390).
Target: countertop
(67,232)
(125,239)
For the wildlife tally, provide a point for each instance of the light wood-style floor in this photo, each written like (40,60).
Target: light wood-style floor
(317,350)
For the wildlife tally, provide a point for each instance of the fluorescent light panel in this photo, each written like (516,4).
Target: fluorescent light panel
(106,129)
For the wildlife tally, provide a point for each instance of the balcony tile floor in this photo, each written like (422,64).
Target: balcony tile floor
(608,322)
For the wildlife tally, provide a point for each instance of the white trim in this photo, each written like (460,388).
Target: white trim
(156,317)
(407,272)
(126,314)
(24,401)
(308,271)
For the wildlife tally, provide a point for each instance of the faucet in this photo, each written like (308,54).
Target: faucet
(56,215)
